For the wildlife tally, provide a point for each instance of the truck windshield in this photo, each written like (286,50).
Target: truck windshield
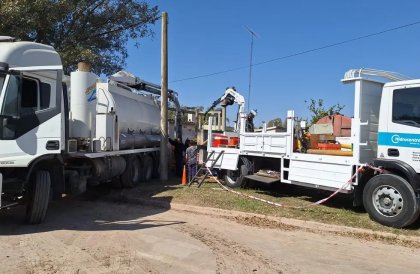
(406,107)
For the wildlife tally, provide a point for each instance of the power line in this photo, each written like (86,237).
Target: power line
(299,53)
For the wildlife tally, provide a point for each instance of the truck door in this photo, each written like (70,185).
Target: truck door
(30,117)
(399,133)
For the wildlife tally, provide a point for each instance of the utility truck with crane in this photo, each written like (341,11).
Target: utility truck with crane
(381,170)
(59,134)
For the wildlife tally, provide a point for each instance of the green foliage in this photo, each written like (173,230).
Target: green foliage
(318,110)
(275,123)
(96,31)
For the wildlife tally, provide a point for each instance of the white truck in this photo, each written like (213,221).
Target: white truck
(59,134)
(385,133)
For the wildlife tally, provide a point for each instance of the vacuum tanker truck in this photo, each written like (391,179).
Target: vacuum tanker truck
(59,134)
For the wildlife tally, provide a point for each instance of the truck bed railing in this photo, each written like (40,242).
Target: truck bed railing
(354,74)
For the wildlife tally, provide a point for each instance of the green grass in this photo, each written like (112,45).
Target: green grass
(338,210)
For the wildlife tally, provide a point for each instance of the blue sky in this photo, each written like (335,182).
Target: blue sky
(209,36)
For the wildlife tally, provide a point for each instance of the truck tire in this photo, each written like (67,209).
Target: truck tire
(147,171)
(236,178)
(132,173)
(39,197)
(390,200)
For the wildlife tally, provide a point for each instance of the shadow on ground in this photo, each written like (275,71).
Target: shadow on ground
(101,208)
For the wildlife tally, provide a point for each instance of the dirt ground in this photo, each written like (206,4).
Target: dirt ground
(104,236)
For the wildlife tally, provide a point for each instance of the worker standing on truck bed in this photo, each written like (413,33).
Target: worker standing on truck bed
(179,150)
(249,125)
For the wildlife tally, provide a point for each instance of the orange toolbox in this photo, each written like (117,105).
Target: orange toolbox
(329,146)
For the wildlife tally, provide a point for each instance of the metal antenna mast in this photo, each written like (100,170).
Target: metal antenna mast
(253,34)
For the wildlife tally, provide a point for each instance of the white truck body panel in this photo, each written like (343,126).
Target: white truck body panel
(320,170)
(228,160)
(267,144)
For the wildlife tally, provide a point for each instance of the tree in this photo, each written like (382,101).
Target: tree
(318,110)
(95,31)
(275,123)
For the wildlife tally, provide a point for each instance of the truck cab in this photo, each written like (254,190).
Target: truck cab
(31,116)
(30,102)
(399,123)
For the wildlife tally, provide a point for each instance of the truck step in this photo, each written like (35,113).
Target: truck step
(263,179)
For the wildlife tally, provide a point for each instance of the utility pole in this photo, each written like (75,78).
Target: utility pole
(253,34)
(164,101)
(223,118)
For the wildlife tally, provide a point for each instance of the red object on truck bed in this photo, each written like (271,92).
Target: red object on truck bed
(220,140)
(328,146)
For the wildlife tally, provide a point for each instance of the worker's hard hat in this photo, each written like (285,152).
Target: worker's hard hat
(254,112)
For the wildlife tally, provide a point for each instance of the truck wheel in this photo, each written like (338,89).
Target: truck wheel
(235,178)
(390,200)
(131,175)
(147,168)
(39,194)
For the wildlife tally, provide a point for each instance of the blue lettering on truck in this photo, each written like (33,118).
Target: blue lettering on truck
(398,139)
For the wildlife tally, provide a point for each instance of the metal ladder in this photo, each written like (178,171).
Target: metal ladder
(203,167)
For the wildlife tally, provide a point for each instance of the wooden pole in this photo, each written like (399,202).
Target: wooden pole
(224,118)
(164,101)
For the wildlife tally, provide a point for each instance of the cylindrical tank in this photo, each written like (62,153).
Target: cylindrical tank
(136,112)
(82,103)
(138,118)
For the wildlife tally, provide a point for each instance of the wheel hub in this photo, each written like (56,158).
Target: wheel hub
(388,201)
(232,176)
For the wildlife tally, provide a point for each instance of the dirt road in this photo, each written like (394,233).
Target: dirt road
(105,237)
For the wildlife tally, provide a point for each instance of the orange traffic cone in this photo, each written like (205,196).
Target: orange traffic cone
(184,176)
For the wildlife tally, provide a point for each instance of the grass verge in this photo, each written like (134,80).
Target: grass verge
(338,210)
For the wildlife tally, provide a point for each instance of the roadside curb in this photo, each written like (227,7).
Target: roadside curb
(310,226)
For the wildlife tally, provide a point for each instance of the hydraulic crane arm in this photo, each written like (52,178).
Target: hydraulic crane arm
(228,98)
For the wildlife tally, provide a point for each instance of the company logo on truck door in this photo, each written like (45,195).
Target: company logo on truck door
(91,93)
(399,139)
